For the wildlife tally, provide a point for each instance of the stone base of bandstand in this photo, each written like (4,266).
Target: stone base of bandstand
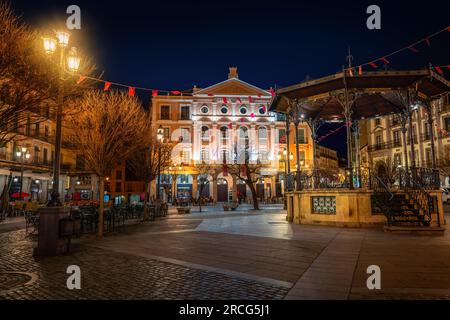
(346,208)
(49,241)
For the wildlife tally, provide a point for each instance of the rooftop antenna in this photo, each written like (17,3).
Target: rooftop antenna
(349,58)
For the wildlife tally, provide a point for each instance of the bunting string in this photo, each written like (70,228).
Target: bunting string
(412,47)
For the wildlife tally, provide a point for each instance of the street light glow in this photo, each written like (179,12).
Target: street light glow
(49,45)
(63,38)
(73,60)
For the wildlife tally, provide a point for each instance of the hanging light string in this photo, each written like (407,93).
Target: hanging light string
(410,47)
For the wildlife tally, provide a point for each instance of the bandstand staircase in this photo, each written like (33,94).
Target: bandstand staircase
(409,206)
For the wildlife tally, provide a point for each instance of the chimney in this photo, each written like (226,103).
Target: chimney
(233,73)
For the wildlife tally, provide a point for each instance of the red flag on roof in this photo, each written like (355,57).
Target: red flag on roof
(360,70)
(411,48)
(131,91)
(439,70)
(210,95)
(238,99)
(250,99)
(373,65)
(154,93)
(272,92)
(386,61)
(107,85)
(175,92)
(224,99)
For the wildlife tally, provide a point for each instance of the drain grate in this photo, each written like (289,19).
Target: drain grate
(14,280)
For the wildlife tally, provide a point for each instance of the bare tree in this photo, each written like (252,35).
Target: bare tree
(30,82)
(110,128)
(387,170)
(204,171)
(152,158)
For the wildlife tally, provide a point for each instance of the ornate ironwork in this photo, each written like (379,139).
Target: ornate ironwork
(324,205)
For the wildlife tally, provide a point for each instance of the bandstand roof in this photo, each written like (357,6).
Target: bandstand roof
(376,93)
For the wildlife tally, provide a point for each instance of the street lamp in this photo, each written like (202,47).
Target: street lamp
(73,63)
(160,137)
(22,154)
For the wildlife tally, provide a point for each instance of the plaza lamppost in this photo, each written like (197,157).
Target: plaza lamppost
(22,154)
(51,45)
(160,137)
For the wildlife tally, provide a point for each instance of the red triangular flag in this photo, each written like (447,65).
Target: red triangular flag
(250,99)
(272,92)
(107,85)
(210,95)
(242,119)
(350,71)
(373,65)
(259,95)
(448,28)
(439,70)
(230,126)
(224,99)
(252,115)
(413,49)
(131,91)
(386,61)
(238,99)
(81,79)
(428,41)
(448,67)
(360,70)
(154,93)
(175,92)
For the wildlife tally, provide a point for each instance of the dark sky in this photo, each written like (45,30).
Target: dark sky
(174,45)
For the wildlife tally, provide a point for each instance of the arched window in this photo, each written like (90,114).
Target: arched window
(243,109)
(205,133)
(224,134)
(204,109)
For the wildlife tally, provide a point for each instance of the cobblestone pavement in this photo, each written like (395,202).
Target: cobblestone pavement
(111,275)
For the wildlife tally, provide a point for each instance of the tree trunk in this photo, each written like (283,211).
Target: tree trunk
(254,195)
(146,216)
(102,206)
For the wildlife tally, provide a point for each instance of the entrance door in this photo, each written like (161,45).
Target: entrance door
(222,191)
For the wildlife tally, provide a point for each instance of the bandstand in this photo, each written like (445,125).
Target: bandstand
(360,196)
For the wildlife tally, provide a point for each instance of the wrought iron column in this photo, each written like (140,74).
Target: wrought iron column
(429,108)
(288,132)
(405,148)
(357,152)
(314,125)
(411,138)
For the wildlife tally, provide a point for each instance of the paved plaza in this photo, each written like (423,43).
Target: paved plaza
(242,254)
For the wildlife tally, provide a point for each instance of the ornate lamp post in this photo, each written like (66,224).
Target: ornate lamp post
(51,45)
(160,137)
(22,154)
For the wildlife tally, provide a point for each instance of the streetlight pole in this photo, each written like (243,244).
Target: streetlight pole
(22,155)
(50,45)
(159,136)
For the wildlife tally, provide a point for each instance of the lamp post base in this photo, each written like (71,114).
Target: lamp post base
(50,242)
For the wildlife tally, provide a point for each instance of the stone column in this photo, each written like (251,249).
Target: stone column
(411,139)
(403,118)
(430,126)
(234,189)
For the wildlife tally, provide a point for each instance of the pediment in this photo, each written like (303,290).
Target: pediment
(233,86)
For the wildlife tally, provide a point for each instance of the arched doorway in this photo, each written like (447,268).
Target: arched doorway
(222,190)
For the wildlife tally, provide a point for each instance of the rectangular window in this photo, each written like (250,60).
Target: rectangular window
(36,129)
(377,121)
(447,124)
(45,156)
(205,155)
(282,136)
(185,156)
(379,140)
(301,136)
(47,131)
(36,154)
(118,187)
(185,113)
(397,138)
(118,175)
(165,113)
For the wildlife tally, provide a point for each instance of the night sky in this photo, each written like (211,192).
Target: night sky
(176,45)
